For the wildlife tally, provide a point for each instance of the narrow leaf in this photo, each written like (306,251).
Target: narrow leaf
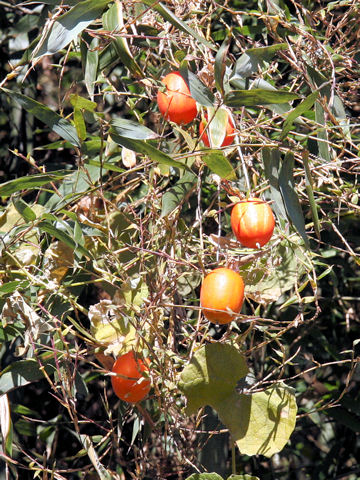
(170,17)
(23,208)
(67,27)
(303,107)
(90,62)
(130,129)
(219,164)
(220,63)
(173,197)
(30,182)
(22,373)
(289,195)
(141,146)
(79,123)
(254,58)
(54,121)
(47,227)
(257,96)
(310,192)
(77,101)
(271,160)
(323,140)
(198,90)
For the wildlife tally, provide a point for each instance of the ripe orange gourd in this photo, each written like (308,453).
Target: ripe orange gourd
(252,222)
(229,134)
(176,103)
(131,385)
(223,290)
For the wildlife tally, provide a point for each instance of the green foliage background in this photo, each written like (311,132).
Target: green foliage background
(109,212)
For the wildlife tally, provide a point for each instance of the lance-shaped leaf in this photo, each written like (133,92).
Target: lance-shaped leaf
(216,127)
(310,192)
(174,197)
(271,160)
(176,22)
(257,97)
(220,63)
(289,195)
(67,27)
(113,21)
(31,182)
(254,58)
(130,129)
(219,164)
(260,423)
(54,121)
(198,90)
(303,107)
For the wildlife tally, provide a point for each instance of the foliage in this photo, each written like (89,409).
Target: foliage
(110,217)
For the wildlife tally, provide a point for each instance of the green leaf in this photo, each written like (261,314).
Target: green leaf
(141,146)
(260,423)
(90,62)
(170,17)
(322,135)
(220,63)
(130,129)
(23,372)
(79,123)
(113,21)
(254,58)
(219,164)
(212,375)
(198,90)
(204,476)
(303,107)
(67,27)
(271,160)
(173,197)
(45,226)
(10,287)
(310,192)
(243,477)
(290,198)
(54,121)
(23,208)
(216,128)
(30,182)
(257,96)
(81,102)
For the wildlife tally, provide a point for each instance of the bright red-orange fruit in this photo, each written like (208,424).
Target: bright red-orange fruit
(229,134)
(130,385)
(223,290)
(252,222)
(176,103)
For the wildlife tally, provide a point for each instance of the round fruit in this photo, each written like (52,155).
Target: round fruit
(176,103)
(131,385)
(252,222)
(229,134)
(223,290)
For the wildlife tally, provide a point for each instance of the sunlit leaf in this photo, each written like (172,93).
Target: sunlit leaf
(304,106)
(29,182)
(220,63)
(257,96)
(23,372)
(271,160)
(219,164)
(198,90)
(253,58)
(130,129)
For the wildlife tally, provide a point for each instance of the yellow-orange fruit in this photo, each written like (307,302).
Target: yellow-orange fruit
(176,103)
(252,222)
(131,385)
(222,290)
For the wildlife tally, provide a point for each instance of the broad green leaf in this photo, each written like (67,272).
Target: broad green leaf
(212,375)
(254,58)
(90,61)
(175,196)
(220,63)
(54,121)
(257,96)
(219,164)
(271,160)
(260,423)
(204,476)
(290,197)
(170,17)
(67,27)
(304,106)
(108,58)
(243,477)
(30,182)
(198,90)
(23,208)
(10,287)
(130,129)
(310,192)
(141,146)
(114,22)
(78,101)
(23,372)
(79,123)
(275,273)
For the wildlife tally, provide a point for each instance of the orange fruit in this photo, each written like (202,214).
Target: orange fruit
(222,295)
(130,385)
(252,222)
(176,103)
